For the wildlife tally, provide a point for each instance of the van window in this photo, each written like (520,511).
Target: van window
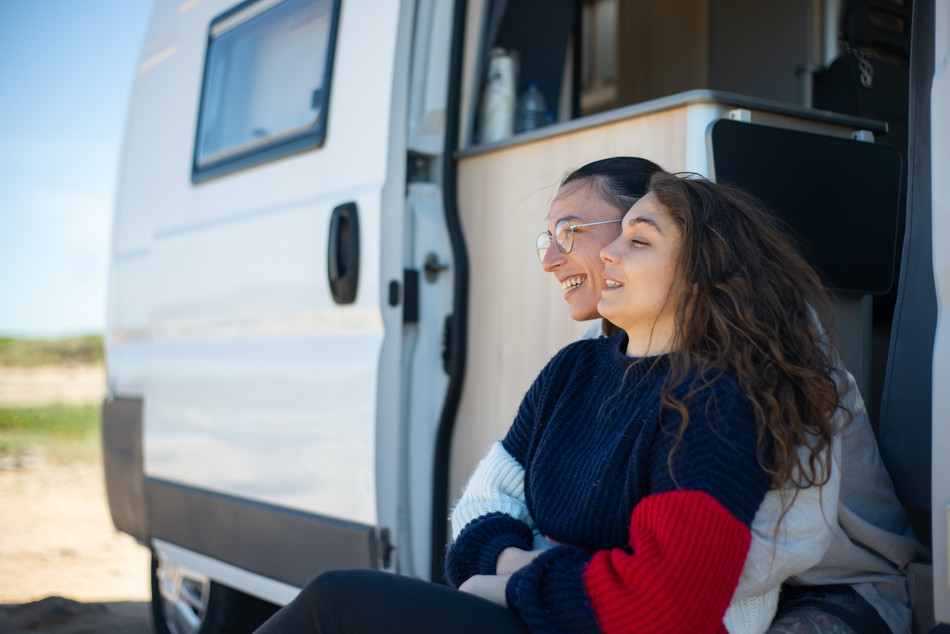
(266,84)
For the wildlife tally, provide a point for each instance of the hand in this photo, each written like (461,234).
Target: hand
(491,587)
(512,559)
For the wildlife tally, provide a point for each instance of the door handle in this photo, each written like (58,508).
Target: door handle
(343,253)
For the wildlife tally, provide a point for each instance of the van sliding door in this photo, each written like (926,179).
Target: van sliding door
(267,322)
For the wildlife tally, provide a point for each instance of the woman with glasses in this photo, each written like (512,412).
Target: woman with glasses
(586,212)
(624,496)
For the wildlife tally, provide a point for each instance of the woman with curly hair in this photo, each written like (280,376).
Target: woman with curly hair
(857,568)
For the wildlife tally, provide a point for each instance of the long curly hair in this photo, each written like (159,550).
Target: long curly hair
(751,305)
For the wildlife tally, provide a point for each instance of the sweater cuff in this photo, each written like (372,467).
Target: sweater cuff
(477,547)
(553,585)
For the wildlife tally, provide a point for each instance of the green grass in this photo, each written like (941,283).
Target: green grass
(60,431)
(30,353)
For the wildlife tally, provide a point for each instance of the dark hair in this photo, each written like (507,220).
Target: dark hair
(620,181)
(752,306)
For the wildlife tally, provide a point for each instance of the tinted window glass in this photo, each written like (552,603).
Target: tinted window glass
(266,83)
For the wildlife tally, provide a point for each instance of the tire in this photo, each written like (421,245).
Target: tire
(187,602)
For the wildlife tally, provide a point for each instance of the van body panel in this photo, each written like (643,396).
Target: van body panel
(269,540)
(328,467)
(425,380)
(225,284)
(940,148)
(122,464)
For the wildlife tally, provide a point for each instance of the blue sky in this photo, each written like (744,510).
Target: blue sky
(66,74)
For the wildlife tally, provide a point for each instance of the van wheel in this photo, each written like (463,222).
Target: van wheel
(187,602)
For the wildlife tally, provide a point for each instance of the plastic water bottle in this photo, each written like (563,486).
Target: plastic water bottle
(531,109)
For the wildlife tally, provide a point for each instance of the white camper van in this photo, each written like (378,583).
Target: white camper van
(324,299)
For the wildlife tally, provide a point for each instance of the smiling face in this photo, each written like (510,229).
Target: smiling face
(642,278)
(580,272)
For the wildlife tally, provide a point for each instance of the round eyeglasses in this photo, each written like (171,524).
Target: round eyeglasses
(563,236)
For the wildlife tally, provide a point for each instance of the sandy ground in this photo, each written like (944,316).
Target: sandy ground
(26,387)
(63,566)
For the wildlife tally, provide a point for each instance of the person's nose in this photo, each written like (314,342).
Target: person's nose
(607,254)
(553,258)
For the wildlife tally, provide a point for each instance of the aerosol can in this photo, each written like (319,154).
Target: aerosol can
(499,99)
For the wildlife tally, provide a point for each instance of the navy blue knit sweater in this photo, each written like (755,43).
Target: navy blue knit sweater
(653,529)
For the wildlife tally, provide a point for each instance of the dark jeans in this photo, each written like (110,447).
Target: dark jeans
(836,608)
(357,601)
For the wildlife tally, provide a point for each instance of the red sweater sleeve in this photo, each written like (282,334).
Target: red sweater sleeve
(687,552)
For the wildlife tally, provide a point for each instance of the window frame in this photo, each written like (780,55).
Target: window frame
(312,137)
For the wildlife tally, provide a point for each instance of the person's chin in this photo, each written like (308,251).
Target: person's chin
(583,311)
(585,316)
(605,310)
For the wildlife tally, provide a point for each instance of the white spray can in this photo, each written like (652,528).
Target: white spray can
(499,99)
